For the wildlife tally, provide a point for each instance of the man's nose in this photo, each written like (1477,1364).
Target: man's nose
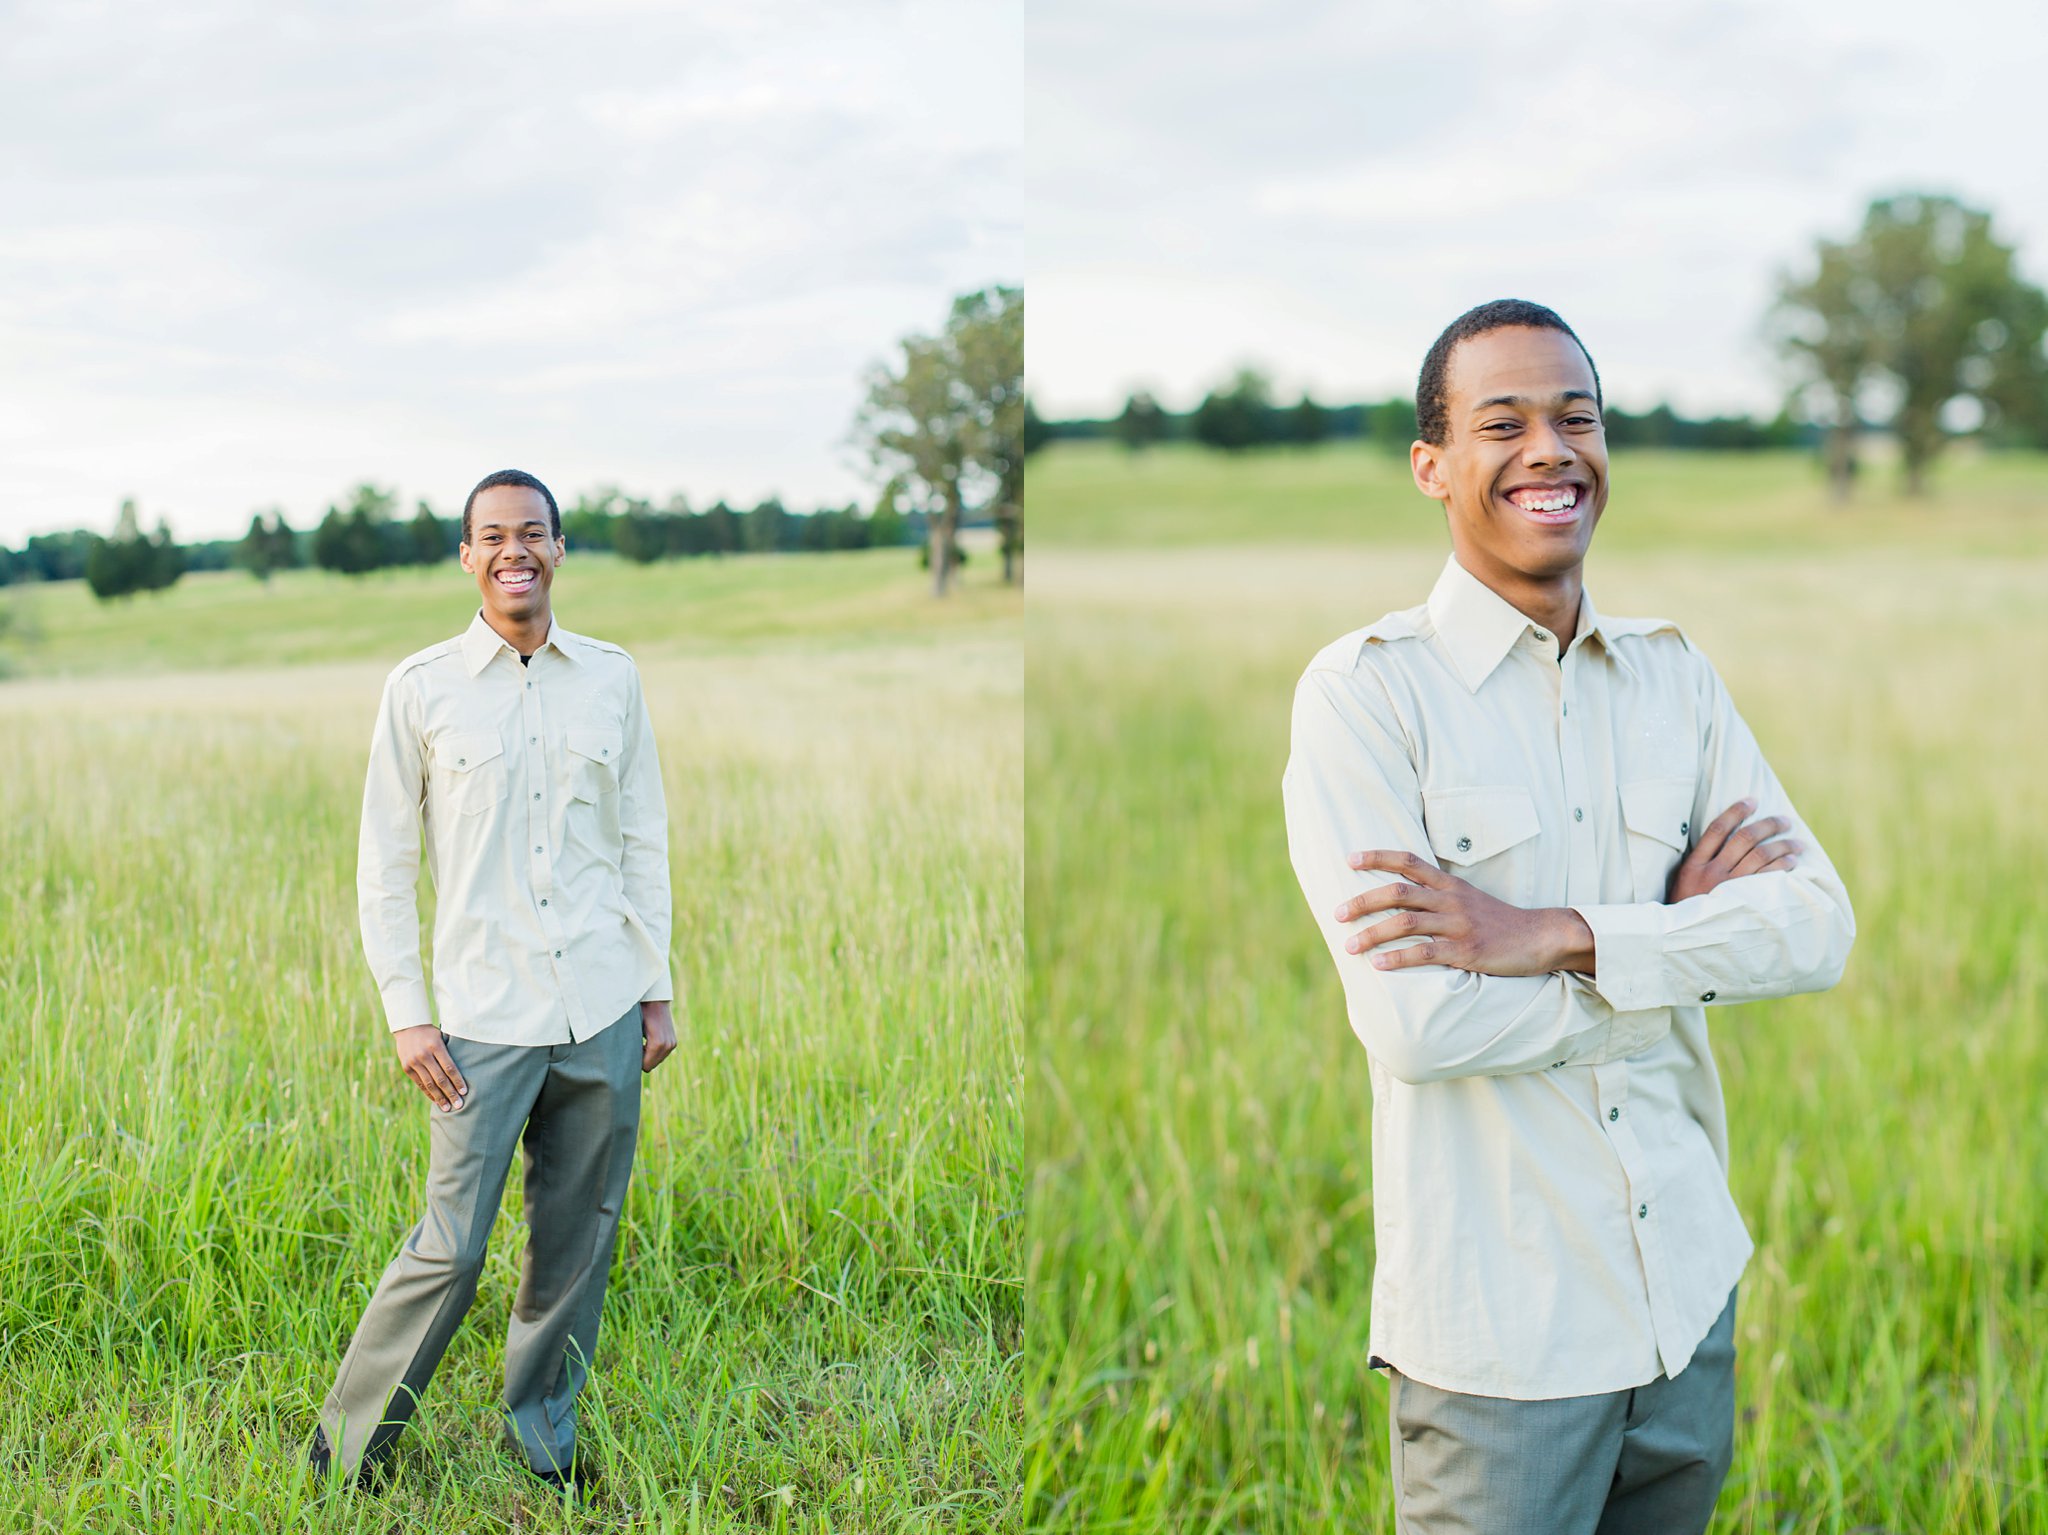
(1545,444)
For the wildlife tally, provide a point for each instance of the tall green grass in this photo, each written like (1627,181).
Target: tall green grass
(207,1153)
(1198,1110)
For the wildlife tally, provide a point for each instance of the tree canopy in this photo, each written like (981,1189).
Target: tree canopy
(944,423)
(1920,322)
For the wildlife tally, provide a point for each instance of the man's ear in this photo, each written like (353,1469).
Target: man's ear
(462,558)
(1425,462)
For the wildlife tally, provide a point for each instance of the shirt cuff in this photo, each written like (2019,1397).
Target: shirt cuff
(405,1006)
(663,990)
(1628,954)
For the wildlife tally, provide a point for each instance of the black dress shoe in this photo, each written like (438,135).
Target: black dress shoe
(320,1456)
(561,1481)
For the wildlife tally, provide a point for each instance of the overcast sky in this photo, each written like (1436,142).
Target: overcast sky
(1320,188)
(253,254)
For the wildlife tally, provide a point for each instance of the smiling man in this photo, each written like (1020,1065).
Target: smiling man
(1540,842)
(525,753)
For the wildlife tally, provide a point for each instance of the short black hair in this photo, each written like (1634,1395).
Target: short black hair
(1432,411)
(514,477)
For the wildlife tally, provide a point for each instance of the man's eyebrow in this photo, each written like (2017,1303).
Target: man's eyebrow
(498,527)
(1521,401)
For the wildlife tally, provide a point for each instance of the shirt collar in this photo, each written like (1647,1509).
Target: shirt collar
(1479,626)
(480,642)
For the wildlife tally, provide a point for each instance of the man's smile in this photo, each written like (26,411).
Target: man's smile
(516,579)
(1551,505)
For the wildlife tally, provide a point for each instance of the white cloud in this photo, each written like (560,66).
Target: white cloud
(256,255)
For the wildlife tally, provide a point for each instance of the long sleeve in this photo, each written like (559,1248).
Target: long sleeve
(1763,935)
(388,859)
(1350,785)
(643,829)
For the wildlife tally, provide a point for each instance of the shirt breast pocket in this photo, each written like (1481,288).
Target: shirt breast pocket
(469,771)
(593,764)
(1487,837)
(1658,815)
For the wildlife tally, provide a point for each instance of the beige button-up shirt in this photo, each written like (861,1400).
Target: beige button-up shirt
(546,834)
(1550,1194)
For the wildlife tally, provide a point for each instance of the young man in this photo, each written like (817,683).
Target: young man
(526,754)
(1540,842)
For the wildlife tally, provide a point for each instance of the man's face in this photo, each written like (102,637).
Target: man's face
(1523,474)
(512,552)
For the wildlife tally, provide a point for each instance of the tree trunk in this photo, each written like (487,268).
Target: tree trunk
(1841,460)
(943,534)
(1008,518)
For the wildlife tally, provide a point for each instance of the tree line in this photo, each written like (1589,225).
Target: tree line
(1243,414)
(365,533)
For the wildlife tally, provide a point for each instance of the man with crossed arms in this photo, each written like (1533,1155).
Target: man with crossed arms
(526,754)
(1540,843)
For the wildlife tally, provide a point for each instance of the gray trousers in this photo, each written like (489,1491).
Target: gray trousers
(1647,1461)
(575,1111)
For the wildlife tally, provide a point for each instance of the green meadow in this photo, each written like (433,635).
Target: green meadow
(1200,1220)
(208,1154)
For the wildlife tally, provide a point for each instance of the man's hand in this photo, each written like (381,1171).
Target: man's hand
(1728,850)
(423,1053)
(1467,929)
(657,1034)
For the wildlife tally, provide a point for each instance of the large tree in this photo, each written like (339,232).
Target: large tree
(130,562)
(988,336)
(1922,314)
(1141,422)
(945,421)
(1237,416)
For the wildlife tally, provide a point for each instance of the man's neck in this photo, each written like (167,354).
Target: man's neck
(1551,603)
(525,638)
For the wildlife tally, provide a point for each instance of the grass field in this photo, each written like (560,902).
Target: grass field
(207,1153)
(1200,1223)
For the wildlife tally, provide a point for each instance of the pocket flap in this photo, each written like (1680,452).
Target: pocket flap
(461,750)
(1467,825)
(1660,808)
(598,745)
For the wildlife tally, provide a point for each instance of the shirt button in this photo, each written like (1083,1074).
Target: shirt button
(536,795)
(558,954)
(1612,1114)
(536,850)
(1555,1065)
(1685,828)
(1567,708)
(531,739)
(1642,1212)
(529,682)
(1464,844)
(1578,814)
(461,761)
(1706,996)
(604,751)
(543,900)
